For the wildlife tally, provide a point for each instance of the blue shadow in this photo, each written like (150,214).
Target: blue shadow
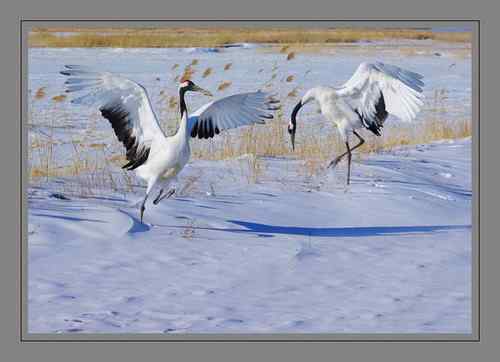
(137,226)
(265,230)
(68,218)
(356,231)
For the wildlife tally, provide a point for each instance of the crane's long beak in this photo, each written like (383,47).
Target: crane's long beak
(196,88)
(292,126)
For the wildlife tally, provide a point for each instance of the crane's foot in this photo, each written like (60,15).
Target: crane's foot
(157,200)
(161,197)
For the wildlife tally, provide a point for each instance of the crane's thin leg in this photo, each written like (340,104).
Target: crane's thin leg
(143,207)
(337,159)
(349,156)
(151,184)
(157,200)
(166,195)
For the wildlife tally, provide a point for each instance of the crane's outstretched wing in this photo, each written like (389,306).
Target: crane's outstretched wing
(377,89)
(121,101)
(231,112)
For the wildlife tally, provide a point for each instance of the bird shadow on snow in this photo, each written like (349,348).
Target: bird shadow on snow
(68,218)
(137,226)
(356,231)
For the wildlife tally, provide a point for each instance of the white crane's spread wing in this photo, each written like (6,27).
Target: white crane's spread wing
(377,89)
(121,101)
(231,112)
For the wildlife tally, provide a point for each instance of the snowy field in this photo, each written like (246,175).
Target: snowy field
(284,253)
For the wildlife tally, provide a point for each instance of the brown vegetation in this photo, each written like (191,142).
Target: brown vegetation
(212,36)
(224,85)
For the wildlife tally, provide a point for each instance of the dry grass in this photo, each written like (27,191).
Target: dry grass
(189,231)
(172,102)
(95,165)
(430,130)
(224,85)
(59,98)
(253,169)
(189,185)
(188,73)
(207,72)
(40,93)
(293,93)
(212,36)
(284,49)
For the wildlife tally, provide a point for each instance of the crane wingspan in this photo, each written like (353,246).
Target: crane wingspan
(231,112)
(121,101)
(377,89)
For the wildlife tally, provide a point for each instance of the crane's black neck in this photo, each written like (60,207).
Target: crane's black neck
(182,101)
(296,109)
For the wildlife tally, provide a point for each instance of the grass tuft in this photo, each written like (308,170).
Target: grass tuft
(293,93)
(224,85)
(59,98)
(207,72)
(188,73)
(172,102)
(284,49)
(40,93)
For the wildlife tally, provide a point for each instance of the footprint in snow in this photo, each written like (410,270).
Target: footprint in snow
(74,330)
(307,251)
(299,323)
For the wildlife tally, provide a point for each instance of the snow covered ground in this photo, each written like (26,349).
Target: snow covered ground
(389,254)
(289,253)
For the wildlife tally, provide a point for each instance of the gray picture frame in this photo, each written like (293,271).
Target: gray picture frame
(13,336)
(28,24)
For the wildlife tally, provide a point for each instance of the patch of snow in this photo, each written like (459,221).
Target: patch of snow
(262,258)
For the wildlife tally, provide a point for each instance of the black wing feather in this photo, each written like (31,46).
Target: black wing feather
(376,121)
(120,120)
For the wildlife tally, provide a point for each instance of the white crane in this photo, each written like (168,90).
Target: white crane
(156,158)
(374,91)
